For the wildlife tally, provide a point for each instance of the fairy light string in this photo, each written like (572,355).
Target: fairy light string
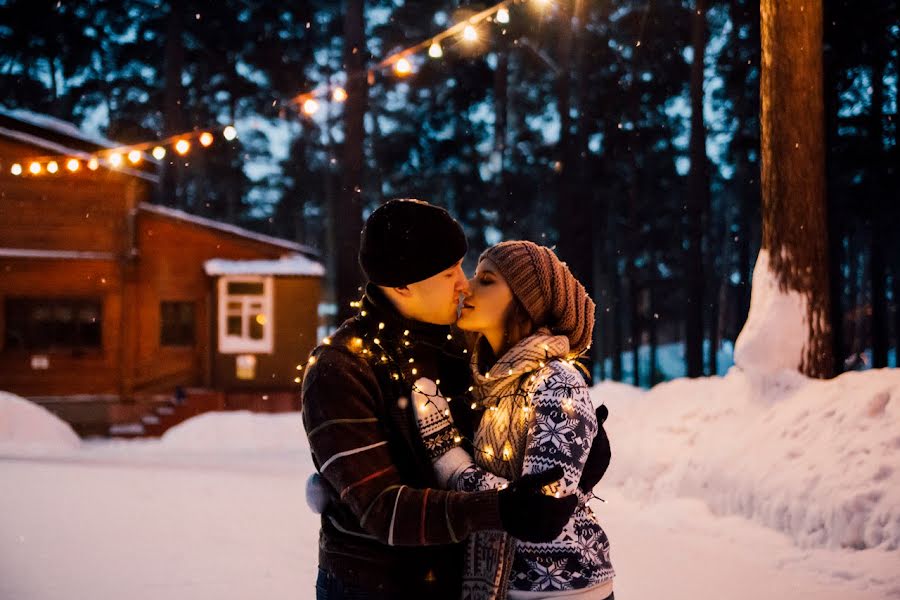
(403,370)
(308,103)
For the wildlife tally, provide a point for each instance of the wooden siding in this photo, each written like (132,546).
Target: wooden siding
(295,314)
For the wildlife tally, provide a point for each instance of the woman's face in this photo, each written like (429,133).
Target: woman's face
(484,309)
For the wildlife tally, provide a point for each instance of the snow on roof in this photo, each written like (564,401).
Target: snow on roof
(56,125)
(174,213)
(295,264)
(62,254)
(69,130)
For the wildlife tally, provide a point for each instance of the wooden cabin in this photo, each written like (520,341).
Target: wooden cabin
(110,303)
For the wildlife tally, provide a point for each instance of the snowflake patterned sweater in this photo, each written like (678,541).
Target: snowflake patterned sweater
(537,415)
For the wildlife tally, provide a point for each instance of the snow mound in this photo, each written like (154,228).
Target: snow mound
(26,425)
(237,430)
(817,460)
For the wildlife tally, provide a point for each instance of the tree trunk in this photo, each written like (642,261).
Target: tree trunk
(795,237)
(573,217)
(173,97)
(878,185)
(349,199)
(698,201)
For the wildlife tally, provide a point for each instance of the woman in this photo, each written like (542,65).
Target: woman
(532,318)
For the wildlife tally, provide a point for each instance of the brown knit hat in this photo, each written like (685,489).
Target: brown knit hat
(547,289)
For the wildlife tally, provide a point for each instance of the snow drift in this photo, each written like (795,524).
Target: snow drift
(25,425)
(238,430)
(817,460)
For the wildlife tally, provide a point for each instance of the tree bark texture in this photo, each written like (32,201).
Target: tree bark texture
(793,166)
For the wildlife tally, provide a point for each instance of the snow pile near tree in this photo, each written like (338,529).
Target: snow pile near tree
(26,426)
(817,460)
(238,430)
(771,311)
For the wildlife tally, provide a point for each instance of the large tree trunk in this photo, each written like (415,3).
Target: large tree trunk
(698,200)
(349,199)
(789,324)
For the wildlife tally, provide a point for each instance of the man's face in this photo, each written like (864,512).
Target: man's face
(435,300)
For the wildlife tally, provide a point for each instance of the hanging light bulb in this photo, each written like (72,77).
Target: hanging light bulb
(435,50)
(72,164)
(182,147)
(93,164)
(339,94)
(159,153)
(310,106)
(134,157)
(469,34)
(229,133)
(206,138)
(115,159)
(16,169)
(402,67)
(503,16)
(34,168)
(52,167)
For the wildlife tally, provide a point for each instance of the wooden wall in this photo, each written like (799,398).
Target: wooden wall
(87,211)
(295,309)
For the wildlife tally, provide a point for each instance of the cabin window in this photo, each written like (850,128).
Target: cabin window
(177,324)
(245,315)
(53,324)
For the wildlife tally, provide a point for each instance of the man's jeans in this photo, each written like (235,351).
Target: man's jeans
(329,587)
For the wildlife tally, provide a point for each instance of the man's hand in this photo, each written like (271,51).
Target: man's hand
(530,515)
(598,458)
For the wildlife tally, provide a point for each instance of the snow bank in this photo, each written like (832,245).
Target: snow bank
(817,460)
(26,425)
(237,430)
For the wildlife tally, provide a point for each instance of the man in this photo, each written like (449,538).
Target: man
(387,533)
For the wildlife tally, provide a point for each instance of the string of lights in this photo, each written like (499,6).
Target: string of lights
(399,63)
(403,366)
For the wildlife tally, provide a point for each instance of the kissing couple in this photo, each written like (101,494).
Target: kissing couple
(456,447)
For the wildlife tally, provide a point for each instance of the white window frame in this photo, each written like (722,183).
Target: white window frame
(243,344)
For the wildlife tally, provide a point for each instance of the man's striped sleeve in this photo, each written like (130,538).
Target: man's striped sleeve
(351,452)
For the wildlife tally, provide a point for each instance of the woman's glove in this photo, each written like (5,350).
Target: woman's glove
(598,458)
(530,515)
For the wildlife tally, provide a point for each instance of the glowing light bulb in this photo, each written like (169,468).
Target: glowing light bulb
(261,319)
(135,156)
(402,67)
(312,360)
(182,147)
(435,50)
(34,168)
(469,34)
(229,133)
(503,16)
(339,94)
(206,139)
(310,106)
(93,164)
(159,153)
(16,169)
(52,167)
(72,164)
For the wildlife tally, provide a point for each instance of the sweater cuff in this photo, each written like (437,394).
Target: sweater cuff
(483,509)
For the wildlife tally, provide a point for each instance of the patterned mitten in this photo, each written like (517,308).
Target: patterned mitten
(433,418)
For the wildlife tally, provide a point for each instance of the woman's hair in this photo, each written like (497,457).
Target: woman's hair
(517,324)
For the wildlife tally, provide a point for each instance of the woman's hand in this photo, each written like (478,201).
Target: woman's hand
(433,418)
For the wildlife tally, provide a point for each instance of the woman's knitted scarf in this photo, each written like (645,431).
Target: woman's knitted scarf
(502,392)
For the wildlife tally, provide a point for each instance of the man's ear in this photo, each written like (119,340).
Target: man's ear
(403,291)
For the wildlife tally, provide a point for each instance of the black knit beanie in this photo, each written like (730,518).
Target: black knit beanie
(405,241)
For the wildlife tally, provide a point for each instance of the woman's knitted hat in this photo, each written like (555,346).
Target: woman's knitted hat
(547,290)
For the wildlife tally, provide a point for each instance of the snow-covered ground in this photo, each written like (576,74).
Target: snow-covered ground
(736,487)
